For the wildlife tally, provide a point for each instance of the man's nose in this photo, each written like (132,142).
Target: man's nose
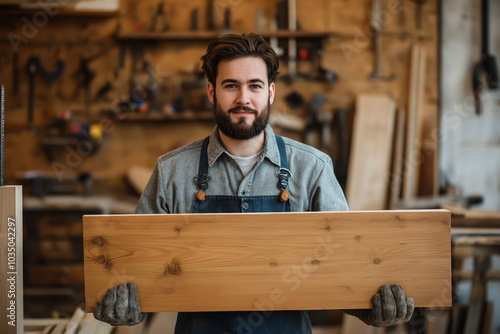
(243,97)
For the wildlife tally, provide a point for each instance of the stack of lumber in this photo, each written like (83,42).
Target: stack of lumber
(394,152)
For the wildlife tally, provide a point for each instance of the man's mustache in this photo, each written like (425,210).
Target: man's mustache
(244,108)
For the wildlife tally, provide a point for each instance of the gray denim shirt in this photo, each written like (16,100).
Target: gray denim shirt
(313,186)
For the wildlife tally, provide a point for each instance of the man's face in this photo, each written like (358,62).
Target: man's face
(242,97)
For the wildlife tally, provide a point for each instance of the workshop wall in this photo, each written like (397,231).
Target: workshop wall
(347,51)
(471,142)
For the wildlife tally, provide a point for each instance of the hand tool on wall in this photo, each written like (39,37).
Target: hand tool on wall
(292,42)
(418,13)
(273,40)
(401,14)
(314,121)
(2,54)
(341,161)
(87,77)
(324,74)
(376,25)
(152,85)
(195,19)
(15,77)
(325,118)
(211,15)
(34,67)
(159,14)
(260,20)
(50,75)
(103,91)
(487,66)
(282,14)
(226,26)
(295,100)
(136,23)
(137,92)
(317,72)
(2,131)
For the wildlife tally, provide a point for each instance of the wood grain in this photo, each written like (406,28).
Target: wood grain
(11,260)
(268,261)
(397,159)
(368,178)
(415,123)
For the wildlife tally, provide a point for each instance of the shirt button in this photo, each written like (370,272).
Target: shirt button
(245,206)
(243,192)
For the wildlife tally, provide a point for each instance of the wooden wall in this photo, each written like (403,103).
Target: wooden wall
(348,51)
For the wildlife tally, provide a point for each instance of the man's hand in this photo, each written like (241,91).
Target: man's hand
(390,307)
(120,307)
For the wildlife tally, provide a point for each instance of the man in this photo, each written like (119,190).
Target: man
(244,167)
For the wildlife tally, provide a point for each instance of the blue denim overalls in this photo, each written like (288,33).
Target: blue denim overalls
(255,322)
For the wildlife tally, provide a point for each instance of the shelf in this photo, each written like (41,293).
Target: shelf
(60,13)
(187,116)
(207,35)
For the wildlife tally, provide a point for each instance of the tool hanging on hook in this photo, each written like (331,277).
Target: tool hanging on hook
(34,67)
(376,22)
(487,66)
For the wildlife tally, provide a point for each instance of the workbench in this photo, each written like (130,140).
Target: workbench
(53,250)
(478,238)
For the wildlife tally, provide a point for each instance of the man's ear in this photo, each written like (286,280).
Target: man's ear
(210,92)
(272,88)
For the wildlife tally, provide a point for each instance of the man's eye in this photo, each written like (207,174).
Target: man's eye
(255,86)
(230,86)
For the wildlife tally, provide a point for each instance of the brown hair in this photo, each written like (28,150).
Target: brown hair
(232,46)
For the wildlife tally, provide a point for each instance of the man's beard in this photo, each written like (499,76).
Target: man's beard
(240,130)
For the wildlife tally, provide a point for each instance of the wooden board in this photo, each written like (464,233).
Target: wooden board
(414,133)
(268,261)
(11,260)
(397,160)
(369,165)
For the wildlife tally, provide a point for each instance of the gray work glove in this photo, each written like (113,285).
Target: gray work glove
(390,307)
(120,307)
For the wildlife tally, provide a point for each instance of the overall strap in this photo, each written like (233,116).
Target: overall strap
(284,174)
(201,180)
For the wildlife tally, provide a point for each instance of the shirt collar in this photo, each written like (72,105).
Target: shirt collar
(271,152)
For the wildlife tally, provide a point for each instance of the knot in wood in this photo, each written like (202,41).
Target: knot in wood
(377,260)
(101,259)
(173,268)
(99,241)
(273,263)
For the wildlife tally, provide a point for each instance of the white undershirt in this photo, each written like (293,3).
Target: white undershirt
(246,163)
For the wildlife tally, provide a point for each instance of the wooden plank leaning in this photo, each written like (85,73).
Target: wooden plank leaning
(269,261)
(11,260)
